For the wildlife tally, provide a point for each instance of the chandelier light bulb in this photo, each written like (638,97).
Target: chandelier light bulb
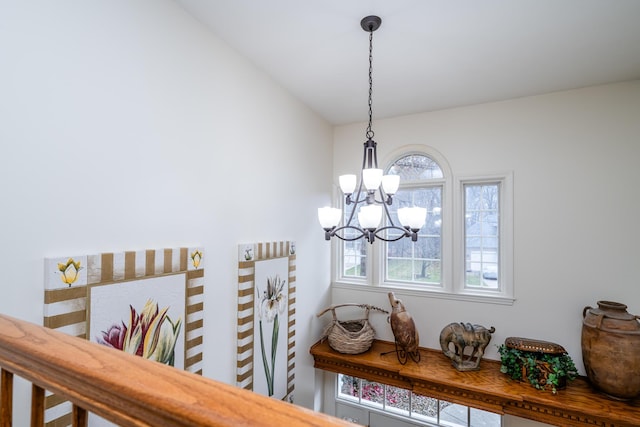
(369,216)
(390,184)
(372,178)
(347,183)
(412,217)
(329,217)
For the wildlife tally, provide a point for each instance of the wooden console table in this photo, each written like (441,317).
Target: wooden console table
(488,389)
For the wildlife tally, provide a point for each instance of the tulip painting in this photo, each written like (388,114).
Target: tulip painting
(69,271)
(271,303)
(150,334)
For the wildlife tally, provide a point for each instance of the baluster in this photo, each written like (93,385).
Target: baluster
(79,416)
(6,398)
(37,406)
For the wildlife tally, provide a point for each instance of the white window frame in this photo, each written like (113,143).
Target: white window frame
(445,244)
(378,252)
(367,408)
(452,235)
(505,255)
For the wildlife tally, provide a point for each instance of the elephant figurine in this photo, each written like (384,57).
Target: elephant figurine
(463,335)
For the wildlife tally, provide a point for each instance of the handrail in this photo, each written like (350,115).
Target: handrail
(129,390)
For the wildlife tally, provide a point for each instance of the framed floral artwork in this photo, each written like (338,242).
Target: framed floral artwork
(119,299)
(266,318)
(143,317)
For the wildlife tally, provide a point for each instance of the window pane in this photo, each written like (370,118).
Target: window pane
(415,167)
(424,406)
(397,400)
(348,386)
(418,262)
(481,418)
(405,404)
(354,260)
(481,236)
(452,414)
(372,393)
(399,269)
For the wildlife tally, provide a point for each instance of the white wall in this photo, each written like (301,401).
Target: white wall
(127,125)
(574,157)
(120,120)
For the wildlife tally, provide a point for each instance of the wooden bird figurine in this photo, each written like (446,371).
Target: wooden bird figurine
(404,331)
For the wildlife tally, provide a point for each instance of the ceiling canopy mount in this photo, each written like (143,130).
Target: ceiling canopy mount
(370,23)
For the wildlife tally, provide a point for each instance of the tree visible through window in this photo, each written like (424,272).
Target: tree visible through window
(354,260)
(421,184)
(465,247)
(481,230)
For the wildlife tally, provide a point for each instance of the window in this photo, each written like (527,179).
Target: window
(483,252)
(463,250)
(354,260)
(481,235)
(373,398)
(422,184)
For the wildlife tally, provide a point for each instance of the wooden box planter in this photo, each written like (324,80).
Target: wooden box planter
(543,364)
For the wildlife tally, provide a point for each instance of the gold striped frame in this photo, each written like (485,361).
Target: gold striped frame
(67,289)
(248,255)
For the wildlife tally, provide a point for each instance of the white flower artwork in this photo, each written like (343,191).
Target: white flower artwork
(266,318)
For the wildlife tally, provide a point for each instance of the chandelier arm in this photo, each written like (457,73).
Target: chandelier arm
(375,155)
(355,203)
(376,201)
(405,233)
(385,199)
(352,212)
(369,234)
(362,232)
(364,159)
(386,211)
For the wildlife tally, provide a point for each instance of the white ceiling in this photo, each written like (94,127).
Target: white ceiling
(428,54)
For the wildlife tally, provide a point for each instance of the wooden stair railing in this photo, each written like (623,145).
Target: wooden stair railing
(127,389)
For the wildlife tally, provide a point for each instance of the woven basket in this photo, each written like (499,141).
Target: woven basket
(350,336)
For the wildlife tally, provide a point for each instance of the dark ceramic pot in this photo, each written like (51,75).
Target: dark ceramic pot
(611,349)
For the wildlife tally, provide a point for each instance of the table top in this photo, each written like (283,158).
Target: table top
(487,388)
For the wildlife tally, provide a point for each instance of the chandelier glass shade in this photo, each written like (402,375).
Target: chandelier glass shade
(377,195)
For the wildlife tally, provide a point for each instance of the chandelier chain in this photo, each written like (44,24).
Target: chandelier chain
(369,133)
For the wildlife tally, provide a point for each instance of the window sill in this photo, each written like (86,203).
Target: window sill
(426,293)
(487,389)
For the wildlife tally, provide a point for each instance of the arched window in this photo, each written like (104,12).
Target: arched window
(465,248)
(415,167)
(422,184)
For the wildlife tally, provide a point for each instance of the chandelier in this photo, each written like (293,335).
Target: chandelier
(378,191)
